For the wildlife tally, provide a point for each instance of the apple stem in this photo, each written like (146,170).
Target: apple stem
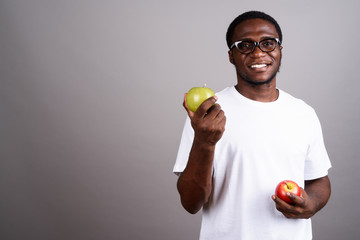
(204,85)
(287,185)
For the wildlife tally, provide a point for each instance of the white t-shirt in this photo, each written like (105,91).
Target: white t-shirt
(263,144)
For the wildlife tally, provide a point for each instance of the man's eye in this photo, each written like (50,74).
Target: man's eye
(268,43)
(244,45)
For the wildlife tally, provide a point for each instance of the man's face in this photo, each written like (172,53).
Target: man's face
(250,67)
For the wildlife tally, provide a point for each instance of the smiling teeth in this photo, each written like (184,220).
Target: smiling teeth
(258,65)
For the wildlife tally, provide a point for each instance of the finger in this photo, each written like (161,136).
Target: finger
(281,205)
(278,201)
(295,198)
(221,118)
(205,106)
(214,111)
(286,209)
(189,112)
(223,122)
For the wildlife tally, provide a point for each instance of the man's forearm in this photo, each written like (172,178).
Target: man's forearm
(195,183)
(319,191)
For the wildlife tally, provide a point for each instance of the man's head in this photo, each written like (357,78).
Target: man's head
(250,15)
(254,40)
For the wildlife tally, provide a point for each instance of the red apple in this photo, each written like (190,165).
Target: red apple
(197,95)
(287,186)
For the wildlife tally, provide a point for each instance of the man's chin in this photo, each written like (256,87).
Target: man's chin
(257,82)
(260,81)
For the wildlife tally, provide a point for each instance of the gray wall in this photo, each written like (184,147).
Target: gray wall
(91,115)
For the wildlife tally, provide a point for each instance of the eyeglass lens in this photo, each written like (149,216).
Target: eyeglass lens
(266,45)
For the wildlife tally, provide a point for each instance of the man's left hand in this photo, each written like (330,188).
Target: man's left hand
(302,206)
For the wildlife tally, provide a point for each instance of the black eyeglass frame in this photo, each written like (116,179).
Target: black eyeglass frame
(256,44)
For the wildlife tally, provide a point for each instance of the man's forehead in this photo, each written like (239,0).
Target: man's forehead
(255,27)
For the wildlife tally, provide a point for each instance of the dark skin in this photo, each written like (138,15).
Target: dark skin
(256,80)
(256,83)
(195,182)
(312,199)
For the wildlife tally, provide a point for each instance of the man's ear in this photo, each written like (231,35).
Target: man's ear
(231,59)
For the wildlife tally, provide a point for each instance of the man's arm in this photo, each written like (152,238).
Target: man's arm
(195,182)
(313,198)
(319,191)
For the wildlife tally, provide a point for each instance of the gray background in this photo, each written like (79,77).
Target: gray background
(91,115)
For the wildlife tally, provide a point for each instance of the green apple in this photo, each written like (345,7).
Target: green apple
(197,95)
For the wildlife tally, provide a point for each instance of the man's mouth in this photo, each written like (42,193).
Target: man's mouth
(256,66)
(259,67)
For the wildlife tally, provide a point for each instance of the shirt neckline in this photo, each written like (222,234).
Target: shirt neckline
(248,100)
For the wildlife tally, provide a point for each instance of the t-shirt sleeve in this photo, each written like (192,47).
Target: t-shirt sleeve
(184,148)
(317,161)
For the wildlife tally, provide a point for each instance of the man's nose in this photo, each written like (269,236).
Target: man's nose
(257,51)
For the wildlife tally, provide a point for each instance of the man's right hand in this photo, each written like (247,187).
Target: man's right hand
(208,121)
(195,182)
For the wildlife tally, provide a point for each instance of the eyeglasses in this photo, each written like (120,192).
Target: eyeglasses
(247,47)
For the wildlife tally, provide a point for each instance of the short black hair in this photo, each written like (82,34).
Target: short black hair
(250,15)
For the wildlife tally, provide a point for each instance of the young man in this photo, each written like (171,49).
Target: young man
(270,136)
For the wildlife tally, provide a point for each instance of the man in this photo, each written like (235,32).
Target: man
(270,136)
